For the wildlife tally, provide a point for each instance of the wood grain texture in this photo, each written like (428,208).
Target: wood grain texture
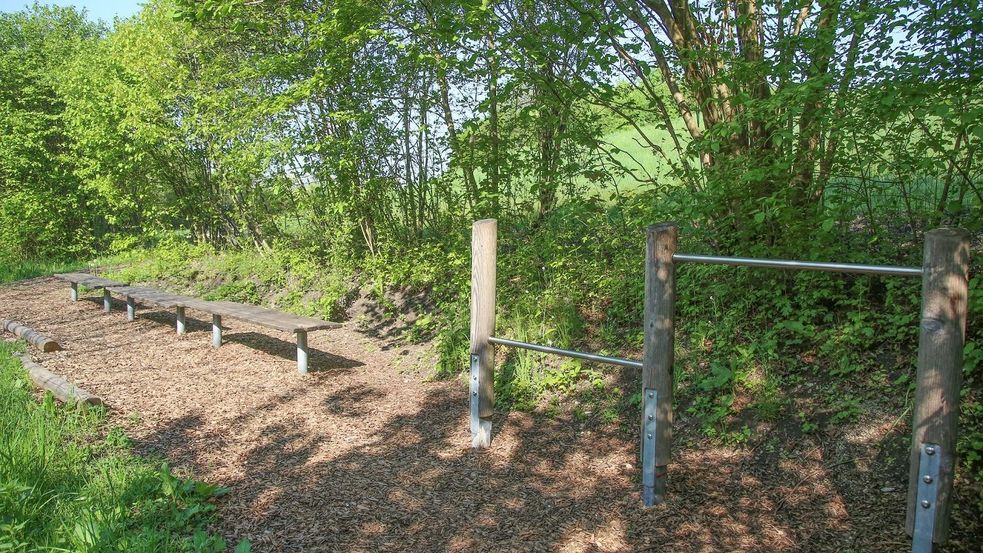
(58,386)
(484,243)
(262,316)
(657,363)
(945,296)
(30,335)
(89,281)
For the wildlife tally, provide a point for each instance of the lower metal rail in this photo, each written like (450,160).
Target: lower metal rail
(568,353)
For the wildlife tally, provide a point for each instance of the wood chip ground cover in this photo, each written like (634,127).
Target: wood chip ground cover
(366,454)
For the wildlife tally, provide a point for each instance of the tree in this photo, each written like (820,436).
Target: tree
(43,210)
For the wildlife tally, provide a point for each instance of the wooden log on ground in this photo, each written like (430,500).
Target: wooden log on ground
(32,336)
(58,386)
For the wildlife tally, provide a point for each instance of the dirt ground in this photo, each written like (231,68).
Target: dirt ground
(366,454)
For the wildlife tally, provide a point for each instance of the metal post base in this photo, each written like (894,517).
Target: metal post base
(926,498)
(481,429)
(652,491)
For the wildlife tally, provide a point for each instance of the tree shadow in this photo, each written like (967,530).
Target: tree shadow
(352,401)
(412,483)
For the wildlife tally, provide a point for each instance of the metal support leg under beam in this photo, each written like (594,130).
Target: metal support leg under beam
(74,293)
(131,309)
(216,331)
(107,301)
(181,327)
(302,351)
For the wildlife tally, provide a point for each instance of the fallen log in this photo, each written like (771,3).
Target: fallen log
(46,344)
(58,386)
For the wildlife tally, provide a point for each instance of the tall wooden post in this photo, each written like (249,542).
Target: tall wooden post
(945,290)
(660,308)
(484,243)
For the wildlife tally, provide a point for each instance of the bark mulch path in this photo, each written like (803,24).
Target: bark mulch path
(365,454)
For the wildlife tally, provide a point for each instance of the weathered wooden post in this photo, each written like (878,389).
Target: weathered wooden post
(945,283)
(131,309)
(181,320)
(484,242)
(74,293)
(216,331)
(657,384)
(302,351)
(107,301)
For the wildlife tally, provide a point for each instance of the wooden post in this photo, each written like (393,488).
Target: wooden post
(107,301)
(181,321)
(74,293)
(657,384)
(216,331)
(484,242)
(131,309)
(945,283)
(302,351)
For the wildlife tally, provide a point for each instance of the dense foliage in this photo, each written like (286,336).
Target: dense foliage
(269,139)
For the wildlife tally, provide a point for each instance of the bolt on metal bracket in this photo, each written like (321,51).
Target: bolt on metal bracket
(926,498)
(650,401)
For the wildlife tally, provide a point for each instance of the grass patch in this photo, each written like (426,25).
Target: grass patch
(69,483)
(11,271)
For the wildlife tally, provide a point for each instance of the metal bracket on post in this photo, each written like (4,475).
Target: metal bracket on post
(480,429)
(650,401)
(926,498)
(475,400)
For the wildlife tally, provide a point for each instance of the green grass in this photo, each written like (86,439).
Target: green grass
(69,483)
(11,271)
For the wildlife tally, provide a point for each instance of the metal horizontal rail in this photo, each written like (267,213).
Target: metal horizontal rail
(806,265)
(567,353)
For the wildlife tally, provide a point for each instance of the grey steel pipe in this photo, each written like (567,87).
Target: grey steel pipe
(805,265)
(567,353)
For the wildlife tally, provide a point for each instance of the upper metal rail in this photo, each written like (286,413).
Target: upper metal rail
(805,265)
(567,353)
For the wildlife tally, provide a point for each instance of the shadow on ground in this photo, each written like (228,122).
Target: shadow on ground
(317,360)
(546,485)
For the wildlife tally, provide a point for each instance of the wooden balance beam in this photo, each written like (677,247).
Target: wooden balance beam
(89,281)
(269,318)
